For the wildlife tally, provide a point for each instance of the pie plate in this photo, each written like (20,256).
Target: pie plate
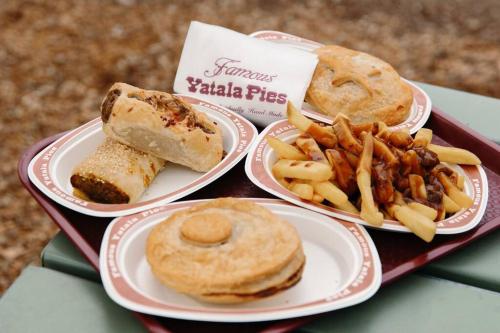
(261,158)
(51,169)
(420,108)
(342,269)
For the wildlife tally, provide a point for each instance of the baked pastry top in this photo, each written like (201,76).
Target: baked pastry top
(226,251)
(163,125)
(365,88)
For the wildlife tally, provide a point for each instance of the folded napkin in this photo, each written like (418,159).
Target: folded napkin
(250,76)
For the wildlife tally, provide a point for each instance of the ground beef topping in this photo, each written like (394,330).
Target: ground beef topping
(174,111)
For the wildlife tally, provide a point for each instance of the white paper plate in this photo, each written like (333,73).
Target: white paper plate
(51,169)
(420,108)
(342,269)
(261,158)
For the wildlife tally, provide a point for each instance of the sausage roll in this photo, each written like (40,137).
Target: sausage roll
(162,125)
(115,174)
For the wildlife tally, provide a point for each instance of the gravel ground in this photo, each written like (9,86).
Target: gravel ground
(59,57)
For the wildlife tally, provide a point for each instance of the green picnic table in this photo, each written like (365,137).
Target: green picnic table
(459,293)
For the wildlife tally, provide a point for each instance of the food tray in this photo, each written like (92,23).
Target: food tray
(400,254)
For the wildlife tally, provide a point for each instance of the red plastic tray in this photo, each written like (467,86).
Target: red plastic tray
(400,253)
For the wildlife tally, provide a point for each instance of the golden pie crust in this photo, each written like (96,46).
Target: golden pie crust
(226,251)
(363,87)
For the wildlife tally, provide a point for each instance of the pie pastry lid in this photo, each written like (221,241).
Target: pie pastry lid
(225,249)
(363,87)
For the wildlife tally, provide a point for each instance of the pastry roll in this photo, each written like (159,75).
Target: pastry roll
(359,85)
(226,251)
(162,125)
(115,174)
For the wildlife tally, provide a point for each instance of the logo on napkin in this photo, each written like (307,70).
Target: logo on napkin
(252,77)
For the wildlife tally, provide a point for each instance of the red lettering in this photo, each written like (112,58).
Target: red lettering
(251,91)
(271,97)
(281,99)
(263,95)
(204,88)
(238,92)
(232,91)
(193,83)
(220,90)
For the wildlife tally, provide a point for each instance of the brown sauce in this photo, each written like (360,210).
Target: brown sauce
(109,102)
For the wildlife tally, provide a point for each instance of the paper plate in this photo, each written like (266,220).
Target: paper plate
(261,158)
(51,169)
(420,108)
(342,269)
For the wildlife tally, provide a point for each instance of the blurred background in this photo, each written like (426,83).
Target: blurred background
(58,58)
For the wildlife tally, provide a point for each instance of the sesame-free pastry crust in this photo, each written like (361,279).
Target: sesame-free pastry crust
(226,251)
(114,173)
(363,87)
(162,125)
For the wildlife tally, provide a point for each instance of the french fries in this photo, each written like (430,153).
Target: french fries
(344,135)
(348,207)
(369,212)
(387,216)
(410,163)
(317,198)
(460,182)
(441,215)
(423,137)
(400,139)
(381,150)
(454,155)
(459,197)
(352,159)
(358,129)
(427,211)
(399,199)
(331,193)
(373,171)
(308,170)
(297,119)
(303,191)
(283,182)
(345,175)
(323,135)
(284,150)
(450,206)
(419,224)
(417,187)
(311,149)
(383,130)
